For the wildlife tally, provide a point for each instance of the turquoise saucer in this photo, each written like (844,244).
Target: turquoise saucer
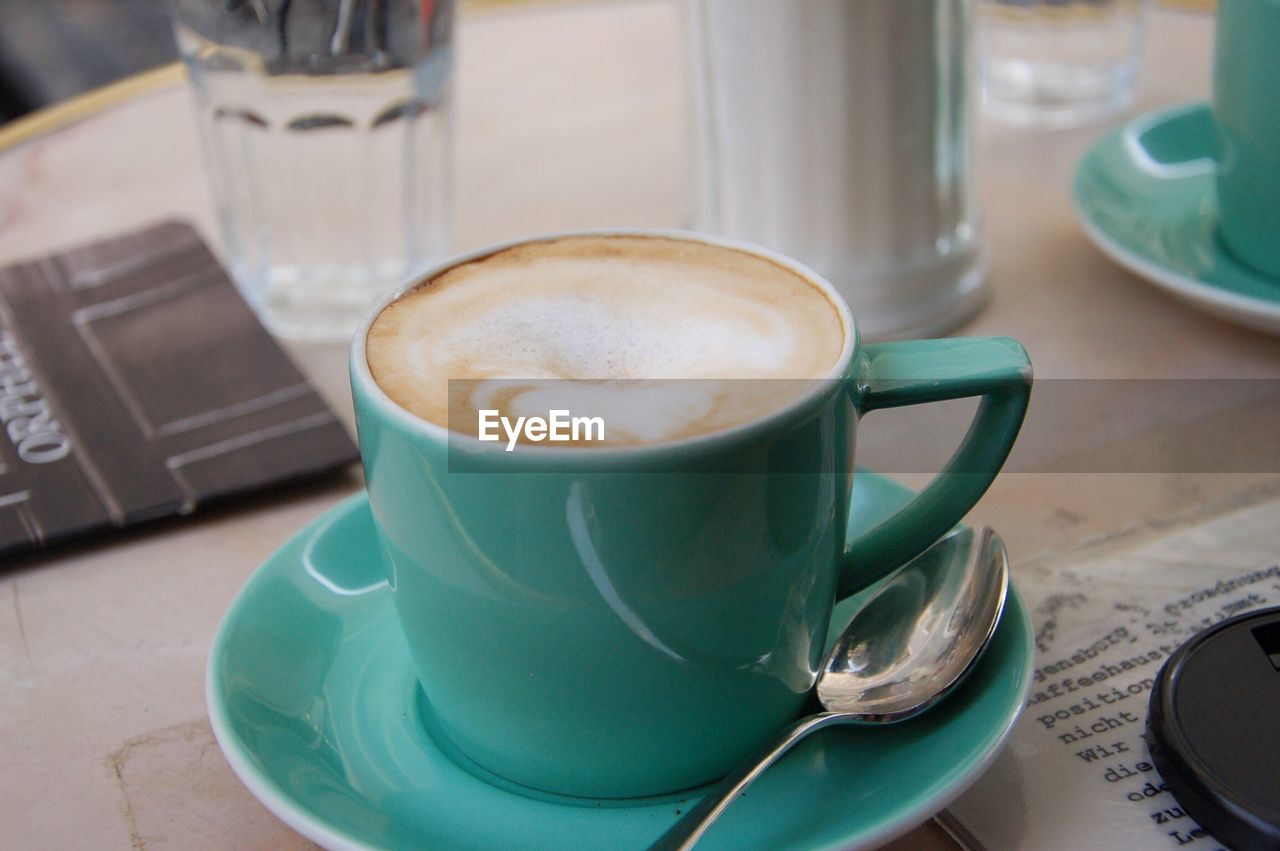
(1145,196)
(312,700)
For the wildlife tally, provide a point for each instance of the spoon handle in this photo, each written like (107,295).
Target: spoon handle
(685,833)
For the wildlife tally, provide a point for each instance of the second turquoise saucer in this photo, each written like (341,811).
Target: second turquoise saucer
(313,702)
(1145,196)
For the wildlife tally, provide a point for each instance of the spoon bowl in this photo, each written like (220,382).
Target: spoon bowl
(919,632)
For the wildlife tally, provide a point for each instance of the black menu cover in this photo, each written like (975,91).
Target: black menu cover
(136,383)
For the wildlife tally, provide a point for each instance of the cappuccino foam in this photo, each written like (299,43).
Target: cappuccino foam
(603,311)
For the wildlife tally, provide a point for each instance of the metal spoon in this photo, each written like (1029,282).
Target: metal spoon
(909,645)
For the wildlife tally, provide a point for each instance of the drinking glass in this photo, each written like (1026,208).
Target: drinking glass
(327,134)
(1060,63)
(840,132)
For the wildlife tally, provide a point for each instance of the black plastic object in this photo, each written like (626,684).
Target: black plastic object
(1214,729)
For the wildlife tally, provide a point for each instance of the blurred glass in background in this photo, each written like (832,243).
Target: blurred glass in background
(1060,63)
(327,131)
(841,133)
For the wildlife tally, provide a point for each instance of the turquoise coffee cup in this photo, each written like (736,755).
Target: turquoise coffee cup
(1246,108)
(616,623)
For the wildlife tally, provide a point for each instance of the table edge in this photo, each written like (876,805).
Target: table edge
(54,117)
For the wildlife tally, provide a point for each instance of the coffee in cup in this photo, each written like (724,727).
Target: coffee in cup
(629,311)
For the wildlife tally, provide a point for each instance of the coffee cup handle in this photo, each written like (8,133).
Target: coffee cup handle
(912,372)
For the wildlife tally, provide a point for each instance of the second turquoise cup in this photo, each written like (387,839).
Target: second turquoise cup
(1246,109)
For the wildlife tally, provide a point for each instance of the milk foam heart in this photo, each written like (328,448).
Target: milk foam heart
(590,322)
